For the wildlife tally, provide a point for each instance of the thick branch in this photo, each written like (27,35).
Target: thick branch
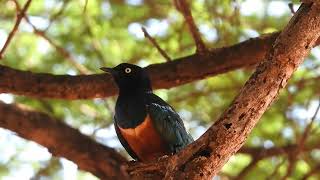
(62,140)
(229,133)
(140,170)
(164,75)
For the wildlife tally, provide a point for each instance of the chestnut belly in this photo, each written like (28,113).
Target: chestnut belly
(145,141)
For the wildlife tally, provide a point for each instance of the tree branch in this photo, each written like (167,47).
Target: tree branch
(242,175)
(183,7)
(62,140)
(20,15)
(61,50)
(158,169)
(229,133)
(313,171)
(165,75)
(155,44)
(308,129)
(261,153)
(208,154)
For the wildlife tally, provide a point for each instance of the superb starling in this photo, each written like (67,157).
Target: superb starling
(146,125)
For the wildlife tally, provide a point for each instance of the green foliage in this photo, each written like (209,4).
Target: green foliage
(106,33)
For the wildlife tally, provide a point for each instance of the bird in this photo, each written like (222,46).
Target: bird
(147,126)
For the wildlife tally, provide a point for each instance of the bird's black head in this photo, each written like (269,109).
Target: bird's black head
(129,78)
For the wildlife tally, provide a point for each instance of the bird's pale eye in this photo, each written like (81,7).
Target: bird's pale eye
(127,70)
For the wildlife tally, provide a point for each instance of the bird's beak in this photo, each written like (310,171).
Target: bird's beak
(108,70)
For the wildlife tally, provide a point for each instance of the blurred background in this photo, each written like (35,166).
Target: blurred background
(78,37)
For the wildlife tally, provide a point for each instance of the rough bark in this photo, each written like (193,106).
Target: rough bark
(229,133)
(165,75)
(202,159)
(48,131)
(62,140)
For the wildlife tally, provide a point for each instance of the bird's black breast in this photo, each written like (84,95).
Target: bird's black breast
(130,111)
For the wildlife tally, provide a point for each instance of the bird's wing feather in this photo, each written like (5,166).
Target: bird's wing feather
(168,124)
(124,142)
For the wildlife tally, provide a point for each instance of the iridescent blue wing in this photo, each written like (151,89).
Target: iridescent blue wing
(168,123)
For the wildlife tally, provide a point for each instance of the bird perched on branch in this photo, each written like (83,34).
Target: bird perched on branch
(146,125)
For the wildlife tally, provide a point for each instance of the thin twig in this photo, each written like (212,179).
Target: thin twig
(183,7)
(20,15)
(313,171)
(96,44)
(62,51)
(292,160)
(309,127)
(275,170)
(154,42)
(294,154)
(247,169)
(57,15)
(85,6)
